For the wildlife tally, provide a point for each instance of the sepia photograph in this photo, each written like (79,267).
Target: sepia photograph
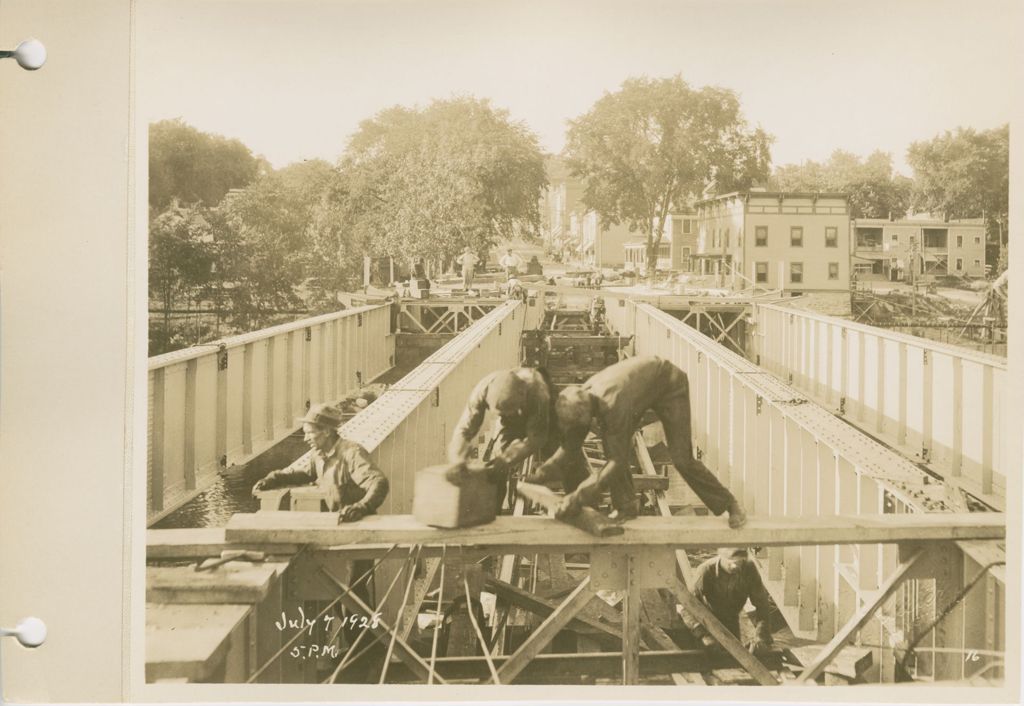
(577,344)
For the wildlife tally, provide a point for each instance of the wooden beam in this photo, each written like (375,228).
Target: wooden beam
(643,457)
(858,620)
(544,634)
(508,535)
(557,668)
(631,625)
(725,638)
(545,607)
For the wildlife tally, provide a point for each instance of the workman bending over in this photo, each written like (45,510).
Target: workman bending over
(617,398)
(522,400)
(724,583)
(355,487)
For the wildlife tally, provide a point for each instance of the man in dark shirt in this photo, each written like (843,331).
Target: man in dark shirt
(354,486)
(724,583)
(522,400)
(617,398)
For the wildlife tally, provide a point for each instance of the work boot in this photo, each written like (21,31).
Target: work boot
(737,516)
(628,512)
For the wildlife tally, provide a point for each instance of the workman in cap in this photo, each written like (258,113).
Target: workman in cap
(355,487)
(522,400)
(617,398)
(724,583)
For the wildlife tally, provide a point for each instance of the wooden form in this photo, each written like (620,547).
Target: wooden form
(222,403)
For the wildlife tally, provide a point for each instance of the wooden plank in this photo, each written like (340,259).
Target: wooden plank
(631,608)
(197,543)
(555,668)
(725,638)
(507,534)
(545,607)
(230,583)
(643,457)
(189,641)
(859,619)
(688,679)
(588,519)
(543,635)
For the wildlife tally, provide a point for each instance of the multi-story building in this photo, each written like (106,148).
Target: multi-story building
(913,248)
(602,246)
(797,242)
(561,200)
(676,250)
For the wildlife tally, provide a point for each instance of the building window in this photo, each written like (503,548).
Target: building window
(959,264)
(796,272)
(687,225)
(831,237)
(833,270)
(796,236)
(894,237)
(761,236)
(977,263)
(959,241)
(726,238)
(977,240)
(761,272)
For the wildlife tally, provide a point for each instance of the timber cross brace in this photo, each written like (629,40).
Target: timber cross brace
(552,573)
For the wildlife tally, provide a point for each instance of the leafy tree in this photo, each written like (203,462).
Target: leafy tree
(194,166)
(965,173)
(874,189)
(267,229)
(181,257)
(654,144)
(427,182)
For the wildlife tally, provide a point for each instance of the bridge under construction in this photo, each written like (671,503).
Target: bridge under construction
(872,465)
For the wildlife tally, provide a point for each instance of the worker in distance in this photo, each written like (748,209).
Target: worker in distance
(354,486)
(616,399)
(522,400)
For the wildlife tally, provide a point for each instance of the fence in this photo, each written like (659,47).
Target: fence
(220,404)
(941,404)
(786,457)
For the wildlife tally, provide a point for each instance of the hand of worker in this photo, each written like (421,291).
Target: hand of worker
(268,483)
(351,513)
(497,469)
(710,643)
(569,506)
(457,473)
(759,647)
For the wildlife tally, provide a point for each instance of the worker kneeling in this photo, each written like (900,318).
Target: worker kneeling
(617,398)
(343,469)
(725,583)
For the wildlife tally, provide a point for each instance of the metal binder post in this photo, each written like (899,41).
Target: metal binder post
(30,54)
(30,632)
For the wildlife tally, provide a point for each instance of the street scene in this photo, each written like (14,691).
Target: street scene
(563,344)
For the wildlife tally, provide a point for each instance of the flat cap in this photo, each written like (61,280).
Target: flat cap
(323,415)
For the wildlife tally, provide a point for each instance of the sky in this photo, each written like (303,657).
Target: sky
(292,79)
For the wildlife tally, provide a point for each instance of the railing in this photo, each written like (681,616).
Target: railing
(786,457)
(220,404)
(408,427)
(944,405)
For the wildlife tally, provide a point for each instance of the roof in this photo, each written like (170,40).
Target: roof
(777,194)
